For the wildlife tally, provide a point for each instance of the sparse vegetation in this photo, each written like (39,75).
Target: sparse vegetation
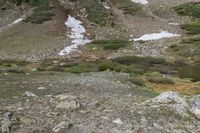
(95,11)
(43,12)
(192,28)
(189,9)
(127,6)
(127,60)
(160,80)
(111,44)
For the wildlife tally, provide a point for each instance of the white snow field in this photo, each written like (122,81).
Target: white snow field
(77,35)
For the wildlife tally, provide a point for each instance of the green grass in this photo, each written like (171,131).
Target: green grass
(128,60)
(137,81)
(43,12)
(192,28)
(111,44)
(189,9)
(82,68)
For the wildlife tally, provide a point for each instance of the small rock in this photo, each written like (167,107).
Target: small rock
(6,74)
(34,69)
(66,101)
(5,122)
(195,106)
(60,126)
(173,101)
(55,62)
(42,88)
(30,94)
(169,97)
(118,121)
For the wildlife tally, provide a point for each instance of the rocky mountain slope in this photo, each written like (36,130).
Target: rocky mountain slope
(99,66)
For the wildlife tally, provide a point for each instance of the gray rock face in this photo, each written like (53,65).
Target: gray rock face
(5,122)
(174,101)
(169,97)
(195,106)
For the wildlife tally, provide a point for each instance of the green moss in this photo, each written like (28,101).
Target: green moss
(111,44)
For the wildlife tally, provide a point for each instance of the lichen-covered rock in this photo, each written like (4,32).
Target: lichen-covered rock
(66,101)
(174,101)
(195,106)
(5,122)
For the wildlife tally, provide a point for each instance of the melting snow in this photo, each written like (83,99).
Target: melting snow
(13,23)
(156,36)
(174,23)
(77,35)
(143,2)
(107,7)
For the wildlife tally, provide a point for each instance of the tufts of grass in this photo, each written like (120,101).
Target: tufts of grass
(192,40)
(113,66)
(43,12)
(96,13)
(189,9)
(160,80)
(128,60)
(105,65)
(192,28)
(82,68)
(127,6)
(137,81)
(111,44)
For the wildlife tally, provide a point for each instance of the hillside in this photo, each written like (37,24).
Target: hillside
(99,66)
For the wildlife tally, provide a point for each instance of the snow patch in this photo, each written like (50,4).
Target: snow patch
(156,36)
(107,7)
(143,2)
(13,23)
(77,35)
(174,23)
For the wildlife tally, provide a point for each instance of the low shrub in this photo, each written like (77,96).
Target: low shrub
(189,9)
(111,44)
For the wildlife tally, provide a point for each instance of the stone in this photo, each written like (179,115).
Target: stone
(42,88)
(66,101)
(168,98)
(30,94)
(173,101)
(118,121)
(5,122)
(195,106)
(61,125)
